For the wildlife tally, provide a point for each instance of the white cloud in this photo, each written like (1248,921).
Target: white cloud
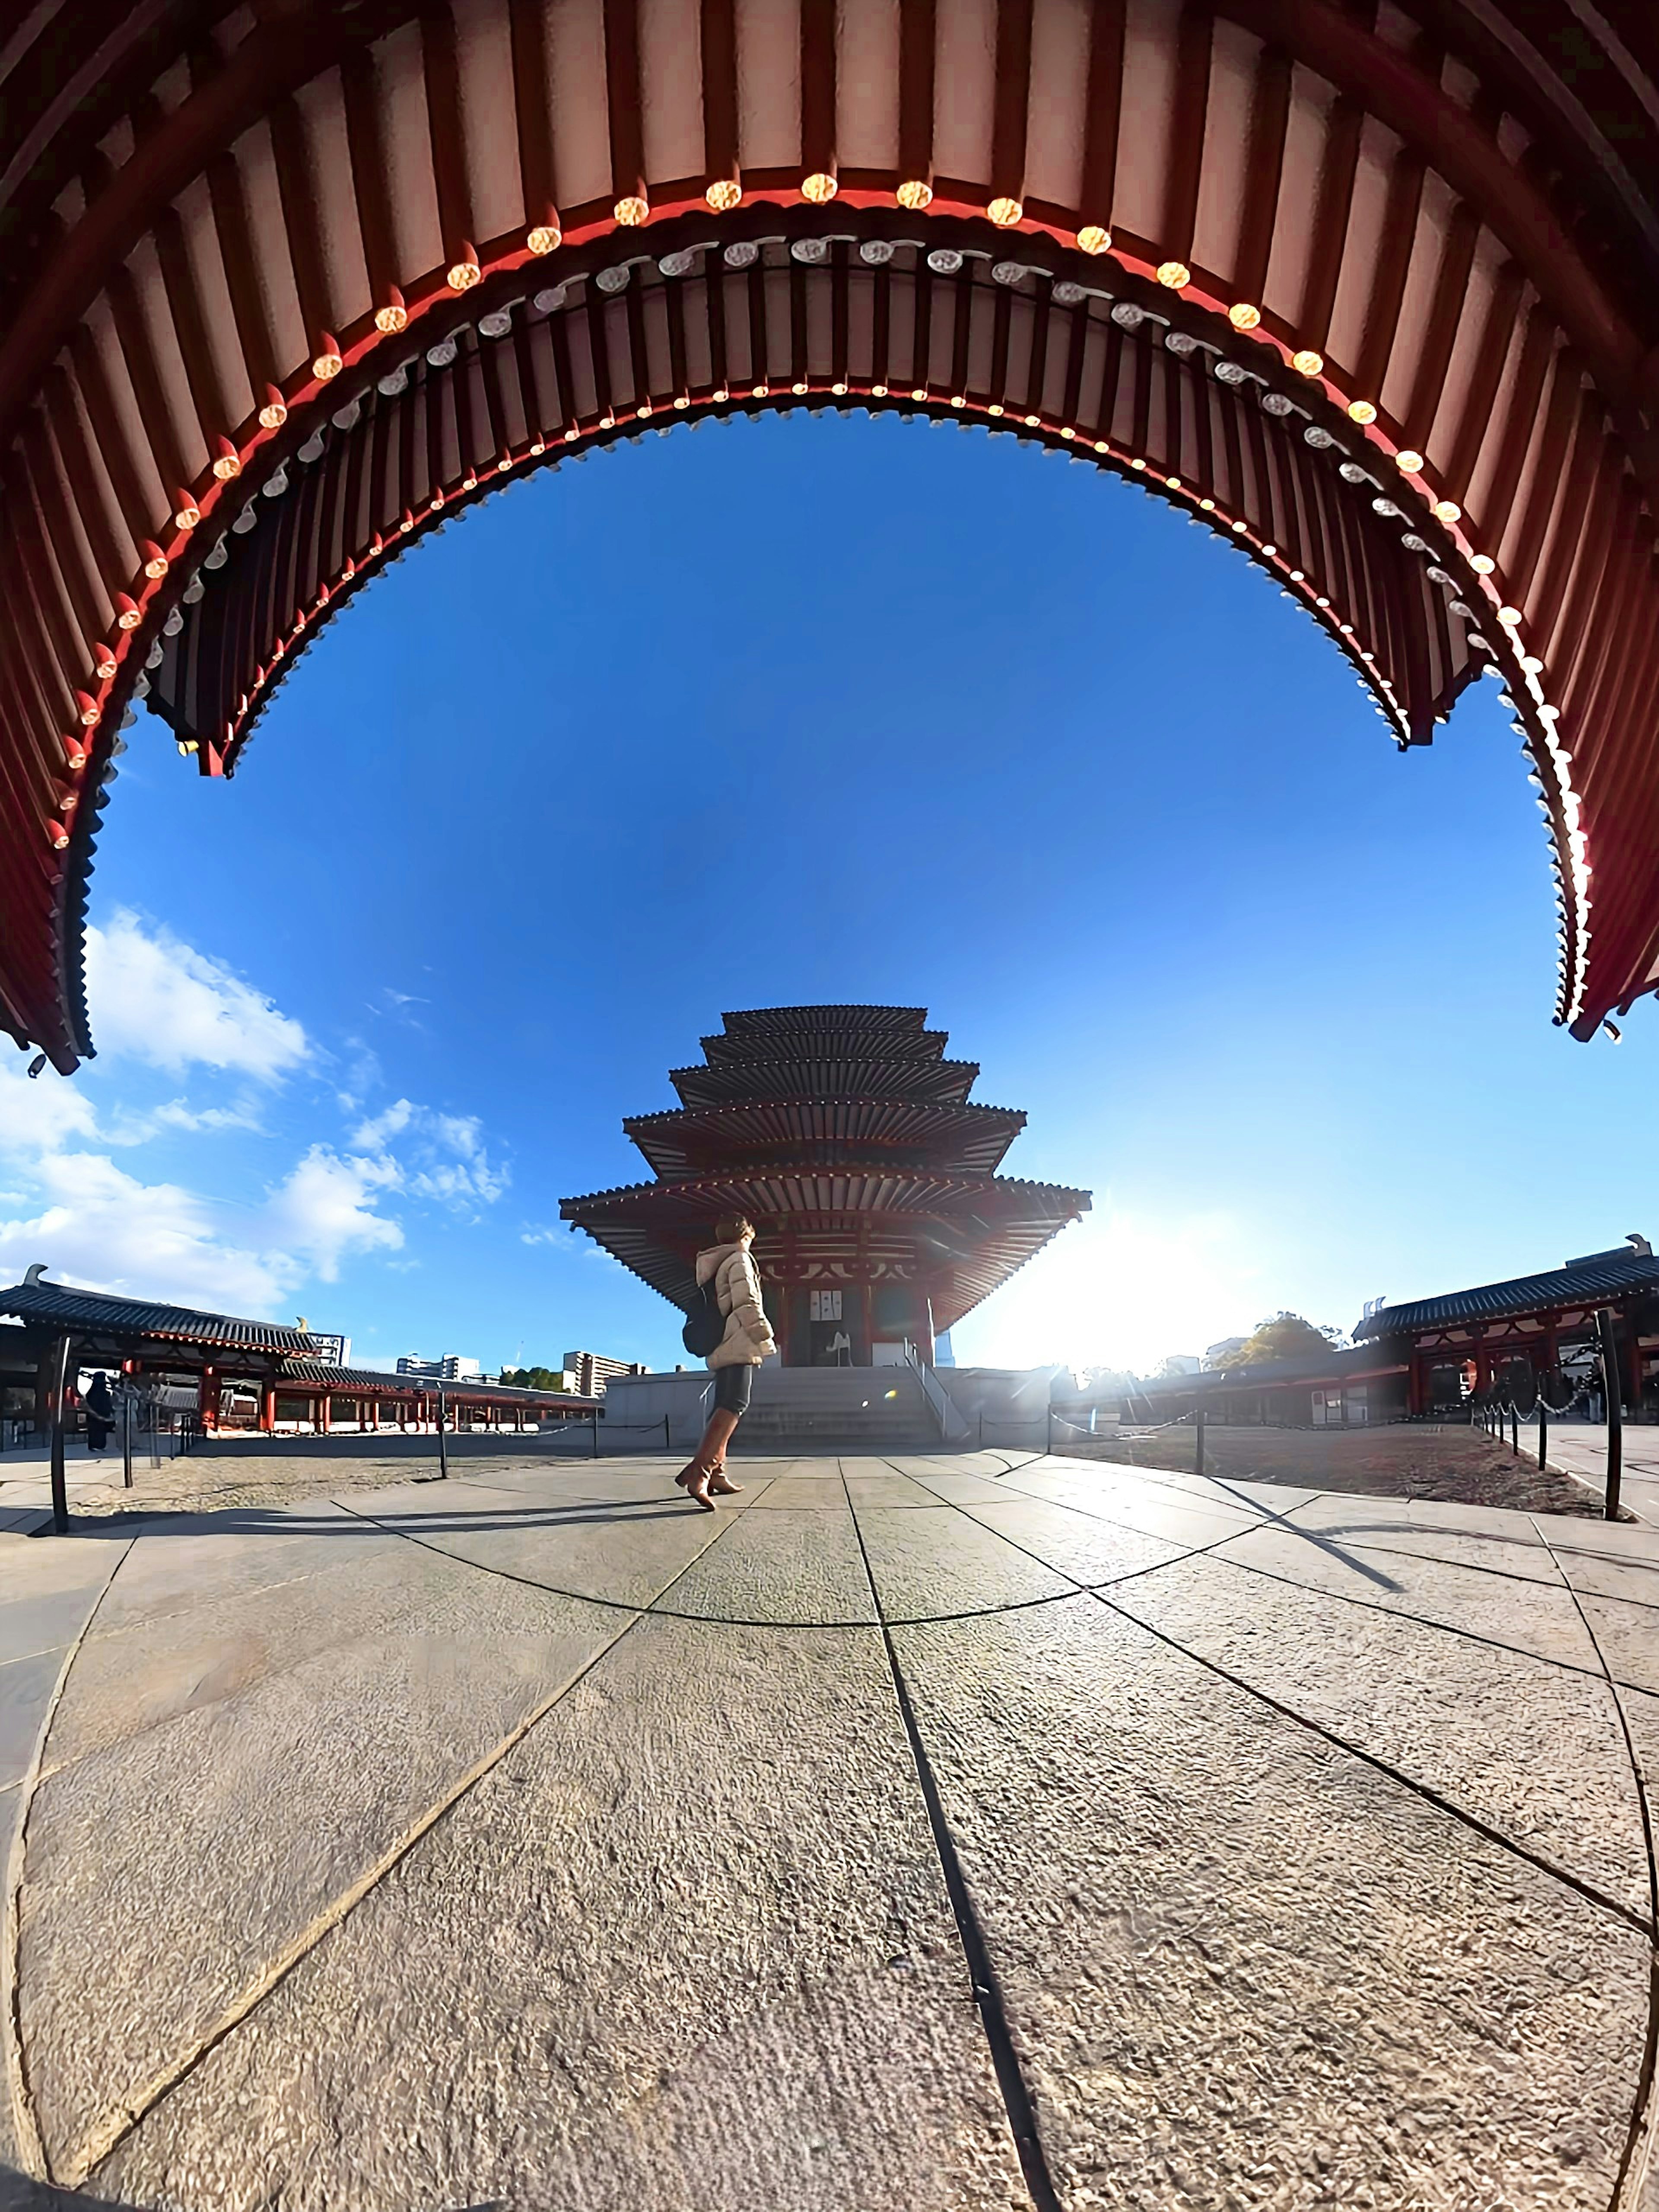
(40,1116)
(103,1228)
(153,997)
(126,1127)
(326,1210)
(372,1135)
(68,1204)
(92,1223)
(452,1162)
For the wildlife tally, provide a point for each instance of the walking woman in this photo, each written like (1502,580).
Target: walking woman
(748,1340)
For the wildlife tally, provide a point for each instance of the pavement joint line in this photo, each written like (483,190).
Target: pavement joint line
(1422,1621)
(723,1619)
(1393,1550)
(982,1976)
(1424,1790)
(18,1658)
(1631,2168)
(105,2139)
(31,2147)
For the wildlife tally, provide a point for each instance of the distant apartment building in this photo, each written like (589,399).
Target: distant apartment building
(590,1371)
(452,1368)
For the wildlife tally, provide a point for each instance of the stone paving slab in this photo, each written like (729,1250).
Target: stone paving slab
(892,1488)
(1469,1600)
(1189,1521)
(471,1852)
(1471,1535)
(925,1565)
(793,1565)
(170,1859)
(615,1552)
(702,1937)
(1084,1547)
(1533,1749)
(1246,1968)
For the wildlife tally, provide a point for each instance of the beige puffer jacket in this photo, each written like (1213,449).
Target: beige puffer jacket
(748,1338)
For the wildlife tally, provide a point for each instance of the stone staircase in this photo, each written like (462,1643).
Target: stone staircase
(876,1408)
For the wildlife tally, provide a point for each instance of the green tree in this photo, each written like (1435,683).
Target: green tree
(1285,1336)
(533,1378)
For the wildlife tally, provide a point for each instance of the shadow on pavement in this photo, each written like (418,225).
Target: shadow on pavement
(262,1521)
(19,2193)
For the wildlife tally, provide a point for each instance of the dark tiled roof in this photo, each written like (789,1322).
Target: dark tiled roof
(1268,1374)
(1603,1278)
(61,1305)
(414,1385)
(824,1017)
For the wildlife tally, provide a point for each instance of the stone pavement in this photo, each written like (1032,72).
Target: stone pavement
(940,1834)
(1581,1450)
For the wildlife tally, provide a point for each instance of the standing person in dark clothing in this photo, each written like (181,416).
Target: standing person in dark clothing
(100,1413)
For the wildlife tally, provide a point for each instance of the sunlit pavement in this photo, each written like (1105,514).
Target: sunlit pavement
(537,1839)
(1583,1452)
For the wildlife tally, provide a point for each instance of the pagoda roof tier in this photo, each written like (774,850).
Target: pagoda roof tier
(951,1139)
(895,1077)
(887,1020)
(800,1043)
(961,1236)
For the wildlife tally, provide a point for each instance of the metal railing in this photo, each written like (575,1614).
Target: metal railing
(952,1423)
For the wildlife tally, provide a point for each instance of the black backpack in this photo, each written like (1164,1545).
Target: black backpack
(705,1324)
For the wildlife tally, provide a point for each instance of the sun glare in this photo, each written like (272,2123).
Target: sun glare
(1122,1290)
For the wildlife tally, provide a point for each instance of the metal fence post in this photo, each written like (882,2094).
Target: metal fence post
(1514,1430)
(1543,1429)
(59,1489)
(594,1418)
(667,1442)
(443,1442)
(1197,1441)
(1611,1390)
(126,1439)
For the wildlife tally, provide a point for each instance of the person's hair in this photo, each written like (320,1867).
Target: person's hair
(731,1226)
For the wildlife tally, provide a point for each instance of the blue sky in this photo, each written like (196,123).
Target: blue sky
(809,709)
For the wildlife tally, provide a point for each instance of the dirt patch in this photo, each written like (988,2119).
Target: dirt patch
(1462,1466)
(207,1485)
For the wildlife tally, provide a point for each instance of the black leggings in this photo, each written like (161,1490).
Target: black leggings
(731,1388)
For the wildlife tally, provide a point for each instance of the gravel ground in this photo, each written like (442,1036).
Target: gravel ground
(210,1485)
(1461,1465)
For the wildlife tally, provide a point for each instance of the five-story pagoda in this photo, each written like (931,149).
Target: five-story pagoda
(848,1138)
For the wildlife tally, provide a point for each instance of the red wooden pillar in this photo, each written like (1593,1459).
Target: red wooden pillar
(1416,1380)
(323,1424)
(267,1407)
(206,1401)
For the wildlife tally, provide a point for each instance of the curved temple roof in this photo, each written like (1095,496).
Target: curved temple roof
(843,1181)
(1373,290)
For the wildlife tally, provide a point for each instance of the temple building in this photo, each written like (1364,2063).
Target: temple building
(848,1138)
